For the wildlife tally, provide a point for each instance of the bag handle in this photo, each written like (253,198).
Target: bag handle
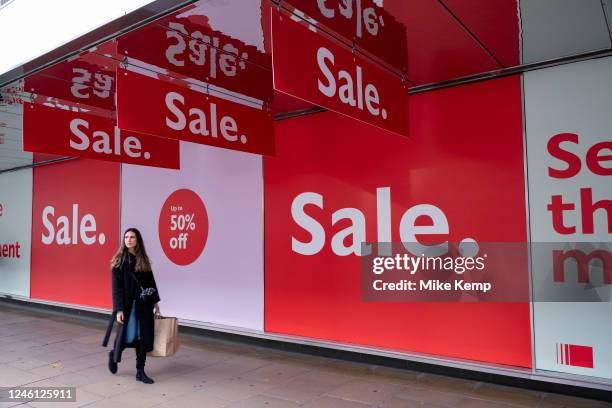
(137,281)
(133,275)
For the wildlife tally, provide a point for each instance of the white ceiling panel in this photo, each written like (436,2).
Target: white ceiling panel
(558,28)
(608,8)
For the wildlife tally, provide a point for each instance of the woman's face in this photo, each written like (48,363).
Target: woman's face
(130,240)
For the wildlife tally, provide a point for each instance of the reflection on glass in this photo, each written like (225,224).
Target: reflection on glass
(86,81)
(187,46)
(363,22)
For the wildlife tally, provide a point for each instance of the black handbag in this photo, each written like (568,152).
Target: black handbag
(147,295)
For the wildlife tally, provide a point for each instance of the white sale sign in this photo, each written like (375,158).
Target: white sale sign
(569,152)
(15,232)
(203,229)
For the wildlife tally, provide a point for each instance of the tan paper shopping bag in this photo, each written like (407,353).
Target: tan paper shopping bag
(166,341)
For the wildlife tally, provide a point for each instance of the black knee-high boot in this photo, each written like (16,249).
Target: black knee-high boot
(112,364)
(141,358)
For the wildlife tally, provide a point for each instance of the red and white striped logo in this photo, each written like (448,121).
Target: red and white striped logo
(574,355)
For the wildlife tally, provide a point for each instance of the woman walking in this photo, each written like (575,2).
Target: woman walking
(135,303)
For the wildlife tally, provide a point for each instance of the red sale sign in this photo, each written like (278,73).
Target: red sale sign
(330,75)
(155,106)
(370,186)
(75,223)
(62,132)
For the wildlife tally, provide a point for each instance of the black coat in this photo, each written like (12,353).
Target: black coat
(125,292)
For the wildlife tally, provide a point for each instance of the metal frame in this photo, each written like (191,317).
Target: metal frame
(157,9)
(518,69)
(604,6)
(528,221)
(42,163)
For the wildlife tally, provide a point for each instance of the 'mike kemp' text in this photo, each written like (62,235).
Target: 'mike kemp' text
(434,285)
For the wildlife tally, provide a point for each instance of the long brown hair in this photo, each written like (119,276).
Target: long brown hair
(143,264)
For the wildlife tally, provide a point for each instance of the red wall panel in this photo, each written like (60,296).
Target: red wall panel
(75,229)
(464,155)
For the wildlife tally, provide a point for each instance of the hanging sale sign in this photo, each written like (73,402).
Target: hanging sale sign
(155,106)
(64,132)
(330,75)
(187,45)
(366,23)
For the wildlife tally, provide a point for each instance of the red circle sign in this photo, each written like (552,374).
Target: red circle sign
(183,227)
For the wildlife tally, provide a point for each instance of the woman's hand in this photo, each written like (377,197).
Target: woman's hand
(120,316)
(156,311)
